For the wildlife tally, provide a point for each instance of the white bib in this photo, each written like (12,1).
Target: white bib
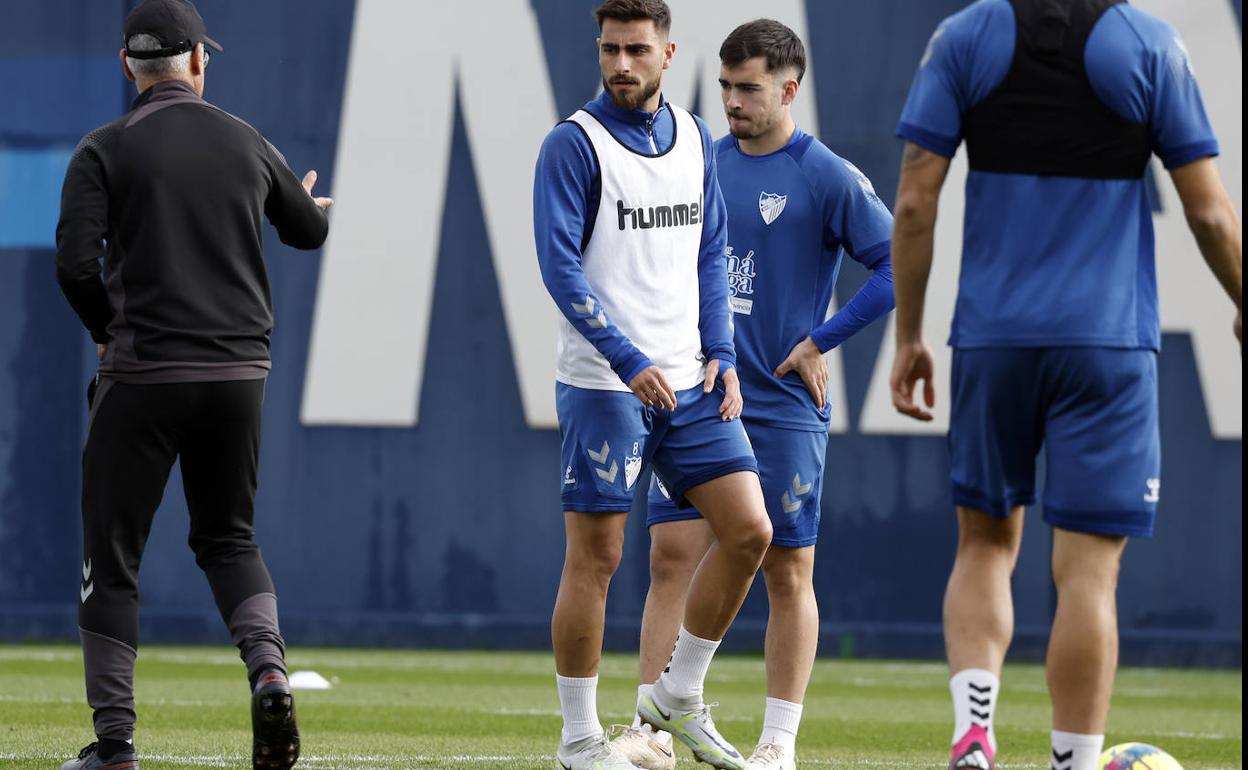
(642,258)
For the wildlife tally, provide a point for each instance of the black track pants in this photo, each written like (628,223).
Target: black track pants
(136,433)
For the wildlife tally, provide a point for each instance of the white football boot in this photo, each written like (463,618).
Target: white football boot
(640,747)
(593,753)
(691,722)
(771,756)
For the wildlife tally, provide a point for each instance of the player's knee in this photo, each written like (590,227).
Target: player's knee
(1086,563)
(673,560)
(990,539)
(750,540)
(597,560)
(210,551)
(1086,579)
(786,576)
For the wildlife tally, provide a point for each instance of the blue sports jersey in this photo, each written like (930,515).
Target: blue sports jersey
(1058,260)
(791,214)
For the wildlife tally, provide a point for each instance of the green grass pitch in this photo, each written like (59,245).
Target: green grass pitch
(496,710)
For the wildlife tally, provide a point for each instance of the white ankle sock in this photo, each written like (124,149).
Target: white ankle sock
(686,671)
(578,700)
(1072,751)
(780,721)
(974,693)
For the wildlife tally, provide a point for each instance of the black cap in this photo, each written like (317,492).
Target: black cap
(175,23)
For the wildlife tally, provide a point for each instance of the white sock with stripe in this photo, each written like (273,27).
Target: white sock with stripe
(685,674)
(974,693)
(1072,751)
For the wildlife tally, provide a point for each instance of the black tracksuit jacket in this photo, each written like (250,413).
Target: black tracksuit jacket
(170,196)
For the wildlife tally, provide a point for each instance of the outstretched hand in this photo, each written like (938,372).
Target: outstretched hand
(309,179)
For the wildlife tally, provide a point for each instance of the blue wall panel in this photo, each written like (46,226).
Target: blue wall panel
(450,533)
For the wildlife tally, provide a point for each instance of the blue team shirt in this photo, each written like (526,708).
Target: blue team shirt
(1058,261)
(791,214)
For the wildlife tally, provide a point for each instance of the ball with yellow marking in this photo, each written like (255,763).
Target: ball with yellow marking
(1137,756)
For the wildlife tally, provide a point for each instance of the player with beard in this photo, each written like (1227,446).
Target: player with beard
(631,236)
(794,207)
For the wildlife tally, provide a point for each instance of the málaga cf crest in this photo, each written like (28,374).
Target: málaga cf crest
(770,205)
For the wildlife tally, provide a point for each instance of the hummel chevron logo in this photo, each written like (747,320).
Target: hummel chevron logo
(981,690)
(980,714)
(1062,761)
(596,320)
(979,702)
(600,457)
(88,585)
(793,504)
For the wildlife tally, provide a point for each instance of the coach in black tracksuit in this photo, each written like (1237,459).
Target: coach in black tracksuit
(171,196)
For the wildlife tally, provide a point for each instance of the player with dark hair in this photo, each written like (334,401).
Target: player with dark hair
(171,196)
(794,207)
(1056,334)
(631,230)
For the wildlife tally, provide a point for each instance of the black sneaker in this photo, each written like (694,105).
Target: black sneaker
(89,759)
(275,736)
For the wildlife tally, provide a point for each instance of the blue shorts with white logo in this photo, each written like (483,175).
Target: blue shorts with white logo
(609,438)
(790,469)
(1094,410)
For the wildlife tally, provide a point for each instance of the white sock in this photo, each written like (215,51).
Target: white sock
(780,721)
(661,736)
(1072,751)
(974,693)
(686,671)
(578,699)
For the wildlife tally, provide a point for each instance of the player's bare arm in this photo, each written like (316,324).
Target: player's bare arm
(914,225)
(1214,222)
(807,360)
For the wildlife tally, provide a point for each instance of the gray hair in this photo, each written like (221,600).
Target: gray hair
(178,64)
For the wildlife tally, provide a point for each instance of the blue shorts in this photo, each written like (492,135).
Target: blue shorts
(609,438)
(1094,410)
(790,469)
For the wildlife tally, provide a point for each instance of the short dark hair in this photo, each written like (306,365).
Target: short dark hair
(765,37)
(634,10)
